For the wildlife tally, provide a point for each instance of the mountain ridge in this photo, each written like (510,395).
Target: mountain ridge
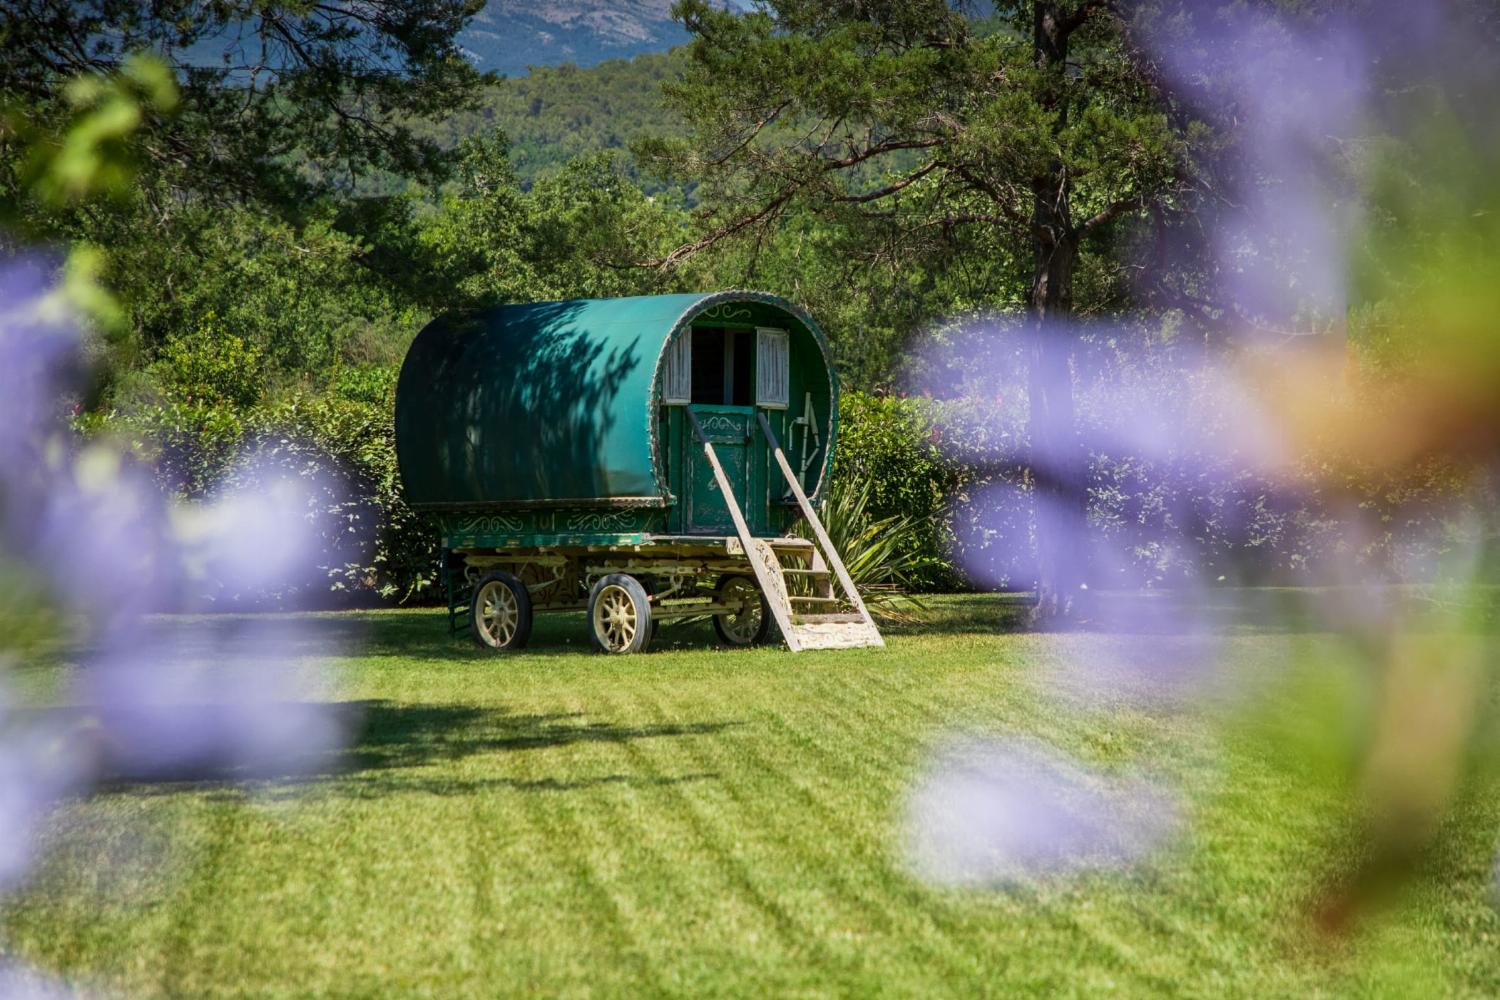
(510,36)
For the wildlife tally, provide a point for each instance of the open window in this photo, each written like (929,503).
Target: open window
(710,366)
(717,366)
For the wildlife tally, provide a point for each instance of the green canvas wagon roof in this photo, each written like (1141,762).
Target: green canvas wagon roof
(555,402)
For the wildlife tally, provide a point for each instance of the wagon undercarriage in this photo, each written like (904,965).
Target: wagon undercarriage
(629,591)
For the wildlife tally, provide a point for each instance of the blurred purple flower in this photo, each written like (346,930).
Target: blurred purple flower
(1190,475)
(38,355)
(17,982)
(101,535)
(233,700)
(39,765)
(257,532)
(1003,813)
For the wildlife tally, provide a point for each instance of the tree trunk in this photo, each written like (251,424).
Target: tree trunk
(1058,460)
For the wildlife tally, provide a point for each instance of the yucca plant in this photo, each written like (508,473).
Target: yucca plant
(882,555)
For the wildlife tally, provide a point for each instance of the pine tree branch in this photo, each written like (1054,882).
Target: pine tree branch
(1108,214)
(891,188)
(1072,22)
(765,214)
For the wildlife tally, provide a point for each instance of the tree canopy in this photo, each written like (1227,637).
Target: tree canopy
(905,117)
(278,100)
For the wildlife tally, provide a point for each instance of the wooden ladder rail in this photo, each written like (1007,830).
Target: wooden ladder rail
(779,611)
(829,552)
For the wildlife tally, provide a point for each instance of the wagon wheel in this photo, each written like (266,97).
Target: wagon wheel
(619,614)
(656,623)
(501,611)
(752,623)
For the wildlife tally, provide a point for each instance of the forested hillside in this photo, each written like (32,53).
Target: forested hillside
(559,113)
(512,36)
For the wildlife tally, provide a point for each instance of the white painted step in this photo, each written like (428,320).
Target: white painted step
(837,635)
(841,618)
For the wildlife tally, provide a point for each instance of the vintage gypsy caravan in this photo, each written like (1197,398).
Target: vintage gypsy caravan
(643,458)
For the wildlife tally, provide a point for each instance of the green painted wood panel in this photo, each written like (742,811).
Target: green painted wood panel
(730,430)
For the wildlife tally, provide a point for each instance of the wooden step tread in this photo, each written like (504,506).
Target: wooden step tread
(814,599)
(849,618)
(848,635)
(796,571)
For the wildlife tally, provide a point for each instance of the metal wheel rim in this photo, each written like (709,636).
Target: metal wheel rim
(615,619)
(742,626)
(499,613)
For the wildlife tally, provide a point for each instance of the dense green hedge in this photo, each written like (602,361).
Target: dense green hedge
(893,446)
(338,438)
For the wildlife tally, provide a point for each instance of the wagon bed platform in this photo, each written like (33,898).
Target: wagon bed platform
(730,543)
(677,544)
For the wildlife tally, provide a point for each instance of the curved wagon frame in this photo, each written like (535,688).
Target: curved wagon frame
(643,459)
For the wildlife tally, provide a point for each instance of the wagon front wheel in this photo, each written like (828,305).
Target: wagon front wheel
(619,614)
(501,611)
(748,626)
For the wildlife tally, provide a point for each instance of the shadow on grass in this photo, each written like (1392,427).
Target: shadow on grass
(399,736)
(418,633)
(1164,611)
(422,633)
(461,786)
(388,739)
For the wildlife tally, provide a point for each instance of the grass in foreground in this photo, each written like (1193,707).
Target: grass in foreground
(701,822)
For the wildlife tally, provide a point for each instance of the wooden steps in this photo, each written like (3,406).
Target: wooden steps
(831,631)
(852,627)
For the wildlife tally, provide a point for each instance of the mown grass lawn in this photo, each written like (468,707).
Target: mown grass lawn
(699,822)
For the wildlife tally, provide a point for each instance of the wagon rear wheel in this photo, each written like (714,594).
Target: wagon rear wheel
(752,623)
(501,611)
(619,614)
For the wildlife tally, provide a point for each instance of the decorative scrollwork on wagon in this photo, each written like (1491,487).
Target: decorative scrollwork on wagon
(722,424)
(489,524)
(726,312)
(601,520)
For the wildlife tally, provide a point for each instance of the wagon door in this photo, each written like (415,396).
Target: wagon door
(721,397)
(729,429)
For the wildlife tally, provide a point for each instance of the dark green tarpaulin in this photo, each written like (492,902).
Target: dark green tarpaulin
(550,402)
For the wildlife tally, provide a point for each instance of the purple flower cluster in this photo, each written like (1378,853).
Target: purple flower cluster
(1003,812)
(225,699)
